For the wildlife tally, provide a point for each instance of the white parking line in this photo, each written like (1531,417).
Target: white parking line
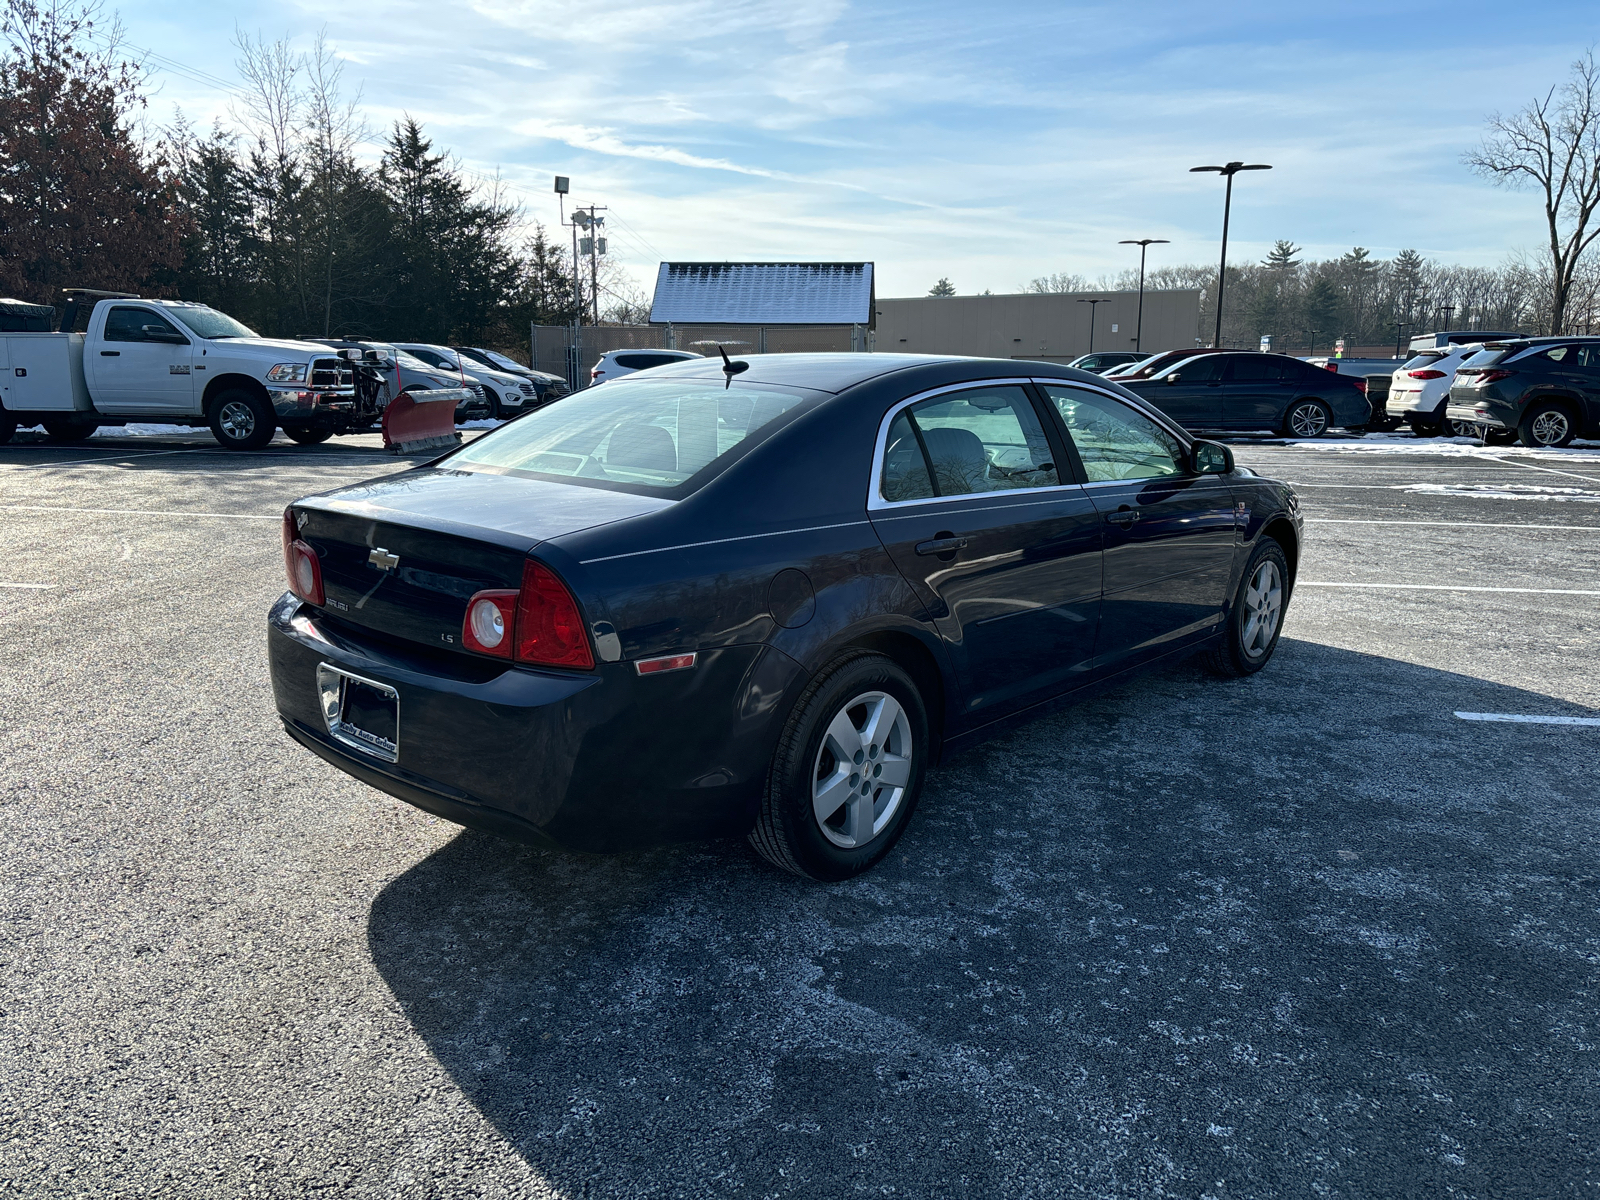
(32,587)
(78,462)
(1526,719)
(1445,587)
(140,512)
(1453,524)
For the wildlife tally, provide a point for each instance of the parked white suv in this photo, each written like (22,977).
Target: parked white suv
(614,364)
(1421,388)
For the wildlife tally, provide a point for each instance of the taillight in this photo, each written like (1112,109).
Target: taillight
(549,627)
(490,622)
(539,624)
(1430,373)
(300,564)
(1493,376)
(1333,366)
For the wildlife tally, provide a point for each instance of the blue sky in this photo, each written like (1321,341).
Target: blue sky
(990,144)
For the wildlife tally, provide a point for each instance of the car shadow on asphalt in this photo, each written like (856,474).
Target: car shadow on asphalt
(1299,932)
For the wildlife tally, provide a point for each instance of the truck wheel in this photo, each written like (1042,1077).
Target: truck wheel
(8,428)
(240,421)
(69,431)
(1547,424)
(307,437)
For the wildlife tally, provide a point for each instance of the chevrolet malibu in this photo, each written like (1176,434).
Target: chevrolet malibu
(762,598)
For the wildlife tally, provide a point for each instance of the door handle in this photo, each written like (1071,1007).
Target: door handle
(1124,516)
(110,353)
(942,545)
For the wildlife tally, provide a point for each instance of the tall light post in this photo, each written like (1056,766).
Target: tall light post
(1091,303)
(1143,244)
(1399,329)
(1229,170)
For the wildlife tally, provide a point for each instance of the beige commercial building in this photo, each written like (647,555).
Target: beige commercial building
(1053,326)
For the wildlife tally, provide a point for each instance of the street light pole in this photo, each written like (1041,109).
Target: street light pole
(1398,326)
(1143,244)
(1229,170)
(1092,303)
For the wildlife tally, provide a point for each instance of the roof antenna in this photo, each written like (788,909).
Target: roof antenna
(730,369)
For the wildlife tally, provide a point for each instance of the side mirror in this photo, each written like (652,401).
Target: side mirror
(1171,379)
(1210,458)
(158,333)
(350,355)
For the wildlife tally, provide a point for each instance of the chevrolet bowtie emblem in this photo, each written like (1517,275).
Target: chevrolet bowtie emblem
(383,560)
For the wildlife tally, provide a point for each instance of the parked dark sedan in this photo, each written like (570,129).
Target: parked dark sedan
(1546,390)
(1251,390)
(763,600)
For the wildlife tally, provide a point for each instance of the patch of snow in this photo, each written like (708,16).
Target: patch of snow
(1506,491)
(485,423)
(149,431)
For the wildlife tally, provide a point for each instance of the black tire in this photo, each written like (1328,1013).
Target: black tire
(1547,423)
(69,431)
(1500,437)
(241,421)
(307,437)
(1241,652)
(1424,429)
(497,410)
(786,832)
(8,427)
(1306,418)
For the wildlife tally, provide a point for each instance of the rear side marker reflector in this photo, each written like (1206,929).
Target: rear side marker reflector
(667,662)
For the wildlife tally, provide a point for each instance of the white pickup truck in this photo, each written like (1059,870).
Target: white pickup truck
(173,363)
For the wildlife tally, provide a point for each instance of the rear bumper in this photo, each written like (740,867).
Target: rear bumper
(1472,414)
(601,760)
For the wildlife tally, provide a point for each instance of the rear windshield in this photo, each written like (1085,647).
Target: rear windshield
(637,435)
(1485,358)
(1423,359)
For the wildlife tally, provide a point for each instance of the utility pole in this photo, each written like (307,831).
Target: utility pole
(1449,310)
(1143,244)
(1228,170)
(563,186)
(1398,327)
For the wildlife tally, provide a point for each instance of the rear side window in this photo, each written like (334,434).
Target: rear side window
(1205,369)
(983,440)
(1259,370)
(645,435)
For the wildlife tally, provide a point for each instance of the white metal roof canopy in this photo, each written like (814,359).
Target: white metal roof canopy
(763,294)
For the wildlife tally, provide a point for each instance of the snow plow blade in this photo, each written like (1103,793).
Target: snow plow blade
(420,420)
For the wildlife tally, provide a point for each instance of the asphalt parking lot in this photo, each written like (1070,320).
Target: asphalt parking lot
(1306,933)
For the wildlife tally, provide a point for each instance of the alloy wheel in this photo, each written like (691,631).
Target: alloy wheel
(1308,420)
(862,769)
(237,420)
(1550,427)
(1263,607)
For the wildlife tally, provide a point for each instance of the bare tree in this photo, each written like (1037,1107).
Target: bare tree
(1553,146)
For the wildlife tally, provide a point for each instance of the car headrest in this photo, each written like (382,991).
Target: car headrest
(637,444)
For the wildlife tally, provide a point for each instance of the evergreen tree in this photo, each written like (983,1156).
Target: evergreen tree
(942,288)
(82,201)
(1282,258)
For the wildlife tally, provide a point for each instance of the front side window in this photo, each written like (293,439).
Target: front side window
(966,443)
(1207,368)
(210,324)
(128,324)
(1113,440)
(644,435)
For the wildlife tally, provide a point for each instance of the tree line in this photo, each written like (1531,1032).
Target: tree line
(1309,304)
(272,215)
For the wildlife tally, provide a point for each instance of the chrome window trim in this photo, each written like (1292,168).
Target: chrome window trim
(876,502)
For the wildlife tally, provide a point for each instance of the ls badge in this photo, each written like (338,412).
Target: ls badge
(383,560)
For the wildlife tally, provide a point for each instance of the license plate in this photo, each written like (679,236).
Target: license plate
(362,713)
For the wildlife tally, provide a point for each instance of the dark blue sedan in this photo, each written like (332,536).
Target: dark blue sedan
(1252,390)
(764,599)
